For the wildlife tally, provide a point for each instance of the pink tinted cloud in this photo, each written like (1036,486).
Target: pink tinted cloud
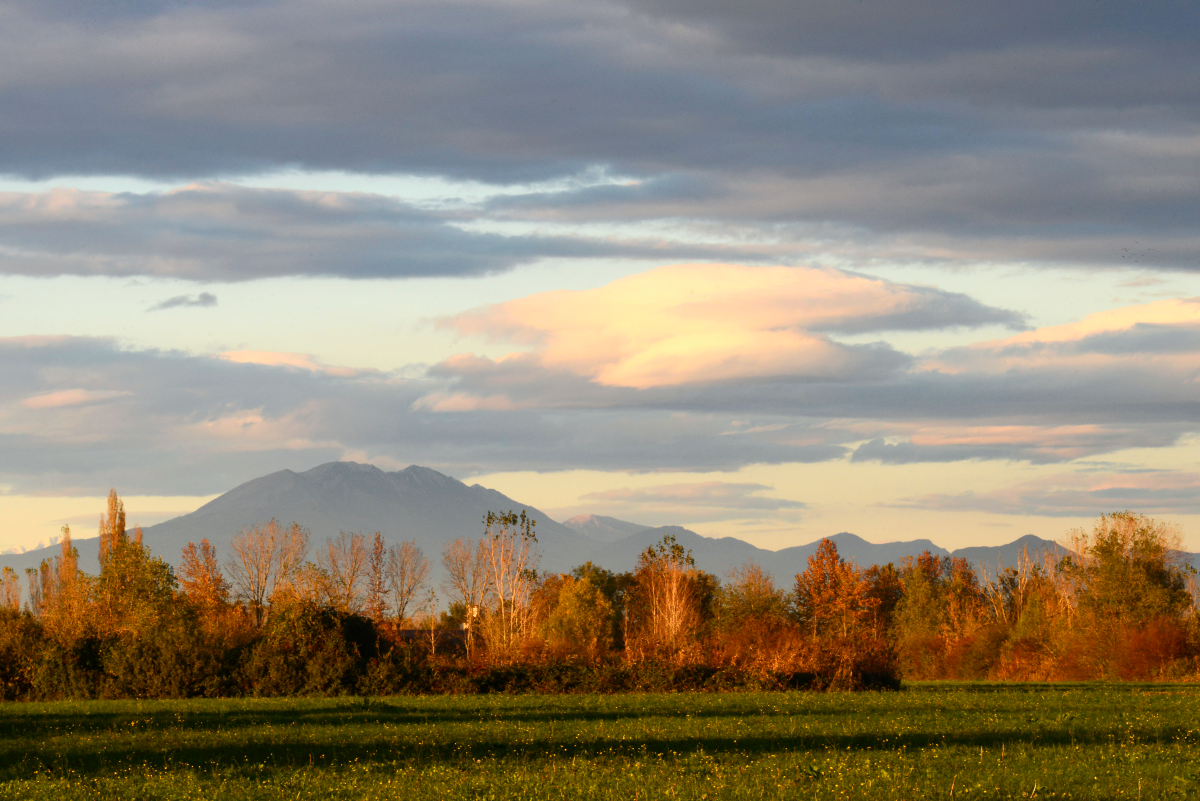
(71,397)
(299,361)
(1056,347)
(695,323)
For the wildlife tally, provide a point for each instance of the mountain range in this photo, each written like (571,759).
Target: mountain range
(430,508)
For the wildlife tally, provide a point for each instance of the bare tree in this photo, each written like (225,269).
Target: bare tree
(291,549)
(406,571)
(376,603)
(251,565)
(427,619)
(509,558)
(466,581)
(667,599)
(344,559)
(264,560)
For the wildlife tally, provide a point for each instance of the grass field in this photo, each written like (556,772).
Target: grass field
(934,740)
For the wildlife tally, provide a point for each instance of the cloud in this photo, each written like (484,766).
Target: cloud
(299,361)
(955,132)
(699,495)
(203,300)
(1080,495)
(726,340)
(1039,444)
(676,369)
(163,422)
(223,232)
(71,397)
(706,323)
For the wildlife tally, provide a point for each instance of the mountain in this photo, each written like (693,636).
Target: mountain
(603,529)
(412,504)
(432,509)
(720,556)
(1010,555)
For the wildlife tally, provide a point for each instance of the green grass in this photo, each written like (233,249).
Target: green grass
(984,741)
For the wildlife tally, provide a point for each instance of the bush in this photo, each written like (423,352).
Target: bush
(309,651)
(75,671)
(174,659)
(21,644)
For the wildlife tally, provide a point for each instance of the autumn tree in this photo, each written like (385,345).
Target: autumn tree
(10,590)
(510,558)
(1129,583)
(578,622)
(667,603)
(200,577)
(1128,570)
(943,608)
(831,594)
(135,589)
(112,527)
(58,594)
(617,589)
(751,595)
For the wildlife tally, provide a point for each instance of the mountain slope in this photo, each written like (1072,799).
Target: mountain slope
(412,504)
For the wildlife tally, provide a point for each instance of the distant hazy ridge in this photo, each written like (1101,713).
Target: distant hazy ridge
(431,508)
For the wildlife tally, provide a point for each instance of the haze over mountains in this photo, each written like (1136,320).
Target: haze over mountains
(423,505)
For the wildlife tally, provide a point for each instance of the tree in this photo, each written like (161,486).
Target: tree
(509,557)
(344,560)
(58,594)
(406,571)
(617,589)
(1128,584)
(200,577)
(466,582)
(750,594)
(580,622)
(831,595)
(264,561)
(1128,571)
(376,601)
(135,589)
(112,527)
(667,601)
(10,590)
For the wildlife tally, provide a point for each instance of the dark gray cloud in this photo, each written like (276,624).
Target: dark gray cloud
(224,232)
(203,300)
(1046,446)
(1046,133)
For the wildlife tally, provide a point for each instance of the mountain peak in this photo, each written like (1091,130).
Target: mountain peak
(340,468)
(603,529)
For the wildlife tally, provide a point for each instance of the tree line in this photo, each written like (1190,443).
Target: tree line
(356,614)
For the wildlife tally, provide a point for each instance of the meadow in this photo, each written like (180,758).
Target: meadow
(928,740)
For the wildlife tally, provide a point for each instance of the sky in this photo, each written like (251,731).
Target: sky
(770,270)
